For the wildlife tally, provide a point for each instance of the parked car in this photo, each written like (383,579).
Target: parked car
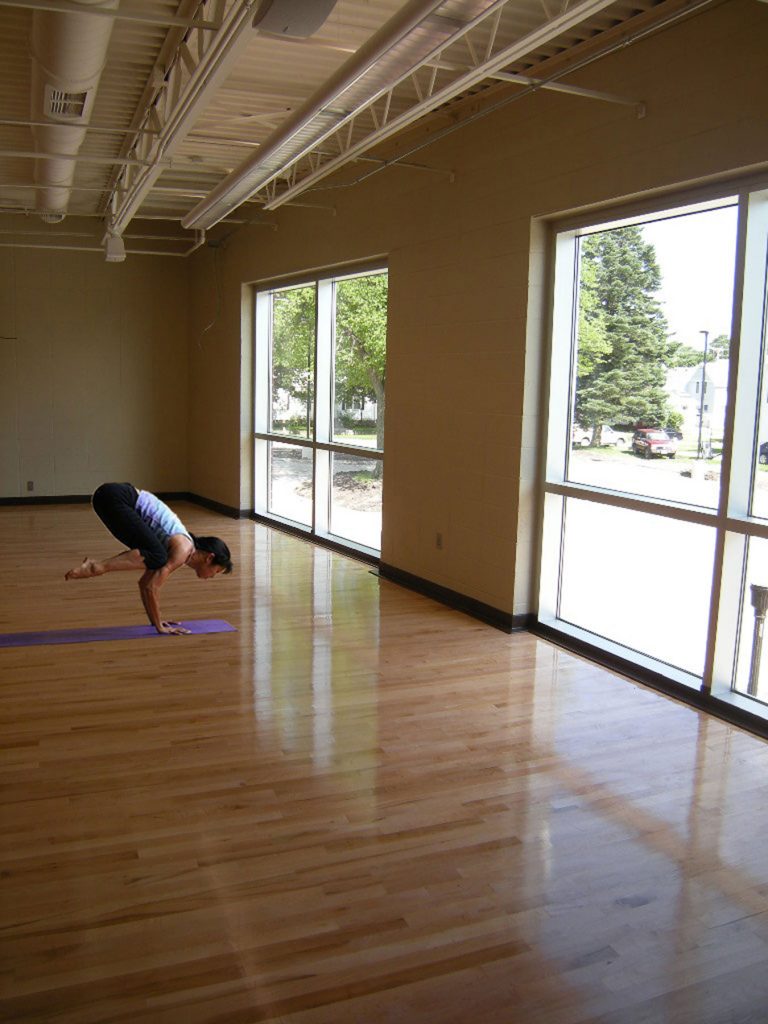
(615,437)
(762,457)
(651,441)
(582,436)
(677,435)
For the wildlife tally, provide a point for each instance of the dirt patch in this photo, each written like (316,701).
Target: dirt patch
(360,495)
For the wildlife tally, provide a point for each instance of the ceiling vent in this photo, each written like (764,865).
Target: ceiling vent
(67,106)
(295,19)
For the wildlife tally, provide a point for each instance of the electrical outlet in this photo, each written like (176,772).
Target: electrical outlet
(439,541)
(30,485)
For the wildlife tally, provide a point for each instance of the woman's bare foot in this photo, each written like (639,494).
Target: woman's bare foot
(88,568)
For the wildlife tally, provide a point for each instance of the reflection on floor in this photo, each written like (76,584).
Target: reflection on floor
(361,807)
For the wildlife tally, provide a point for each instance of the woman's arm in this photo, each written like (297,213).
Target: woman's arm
(179,550)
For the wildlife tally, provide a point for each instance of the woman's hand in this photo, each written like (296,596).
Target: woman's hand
(173,629)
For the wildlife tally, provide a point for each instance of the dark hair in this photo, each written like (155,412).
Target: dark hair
(217,548)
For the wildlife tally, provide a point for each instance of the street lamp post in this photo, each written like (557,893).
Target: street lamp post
(700,451)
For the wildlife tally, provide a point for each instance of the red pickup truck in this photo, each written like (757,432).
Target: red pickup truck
(652,441)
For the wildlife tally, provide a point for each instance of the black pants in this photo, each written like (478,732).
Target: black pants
(115,505)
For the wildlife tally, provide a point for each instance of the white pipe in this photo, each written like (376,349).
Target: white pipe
(68,55)
(87,248)
(19,154)
(147,18)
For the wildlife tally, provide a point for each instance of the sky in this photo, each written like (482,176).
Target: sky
(696,254)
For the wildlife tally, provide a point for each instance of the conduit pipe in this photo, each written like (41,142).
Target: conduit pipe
(68,55)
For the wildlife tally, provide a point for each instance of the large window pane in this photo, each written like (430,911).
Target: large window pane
(290,482)
(319,390)
(293,361)
(359,365)
(652,355)
(356,499)
(639,580)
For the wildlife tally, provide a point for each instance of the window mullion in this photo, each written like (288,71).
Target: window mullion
(261,391)
(746,401)
(566,285)
(262,361)
(323,403)
(324,362)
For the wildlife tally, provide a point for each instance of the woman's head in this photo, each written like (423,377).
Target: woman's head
(217,549)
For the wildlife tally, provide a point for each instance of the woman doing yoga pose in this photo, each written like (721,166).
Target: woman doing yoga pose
(156,541)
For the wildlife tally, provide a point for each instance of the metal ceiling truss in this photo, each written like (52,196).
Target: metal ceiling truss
(456,56)
(200,61)
(435,81)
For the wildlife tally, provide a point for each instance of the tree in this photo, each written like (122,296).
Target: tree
(594,343)
(361,342)
(293,345)
(684,355)
(720,348)
(621,374)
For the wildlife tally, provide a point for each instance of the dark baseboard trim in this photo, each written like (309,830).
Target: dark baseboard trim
(655,680)
(310,538)
(214,506)
(49,499)
(459,602)
(85,499)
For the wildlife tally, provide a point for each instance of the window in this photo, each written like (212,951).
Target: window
(655,527)
(319,408)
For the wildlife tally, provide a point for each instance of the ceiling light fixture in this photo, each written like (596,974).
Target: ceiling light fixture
(114,248)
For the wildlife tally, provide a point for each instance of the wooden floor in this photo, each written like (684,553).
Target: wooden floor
(361,807)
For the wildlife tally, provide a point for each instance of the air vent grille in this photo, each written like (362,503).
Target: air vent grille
(67,106)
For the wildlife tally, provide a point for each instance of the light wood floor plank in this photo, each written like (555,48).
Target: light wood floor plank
(361,807)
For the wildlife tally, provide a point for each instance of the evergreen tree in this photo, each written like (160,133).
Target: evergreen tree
(623,345)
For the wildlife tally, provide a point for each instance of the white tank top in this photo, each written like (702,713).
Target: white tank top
(163,522)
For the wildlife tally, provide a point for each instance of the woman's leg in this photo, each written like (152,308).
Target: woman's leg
(115,505)
(90,567)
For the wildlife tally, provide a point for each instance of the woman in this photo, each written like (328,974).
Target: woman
(157,542)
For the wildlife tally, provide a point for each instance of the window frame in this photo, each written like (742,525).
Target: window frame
(321,440)
(732,519)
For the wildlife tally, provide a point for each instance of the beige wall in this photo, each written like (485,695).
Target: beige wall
(466,299)
(93,371)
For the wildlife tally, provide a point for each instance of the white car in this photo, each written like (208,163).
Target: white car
(582,436)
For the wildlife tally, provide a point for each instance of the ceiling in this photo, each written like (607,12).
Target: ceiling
(164,120)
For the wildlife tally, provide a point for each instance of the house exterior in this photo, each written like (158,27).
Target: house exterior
(699,393)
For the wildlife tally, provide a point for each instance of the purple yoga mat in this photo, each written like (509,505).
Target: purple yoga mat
(89,636)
